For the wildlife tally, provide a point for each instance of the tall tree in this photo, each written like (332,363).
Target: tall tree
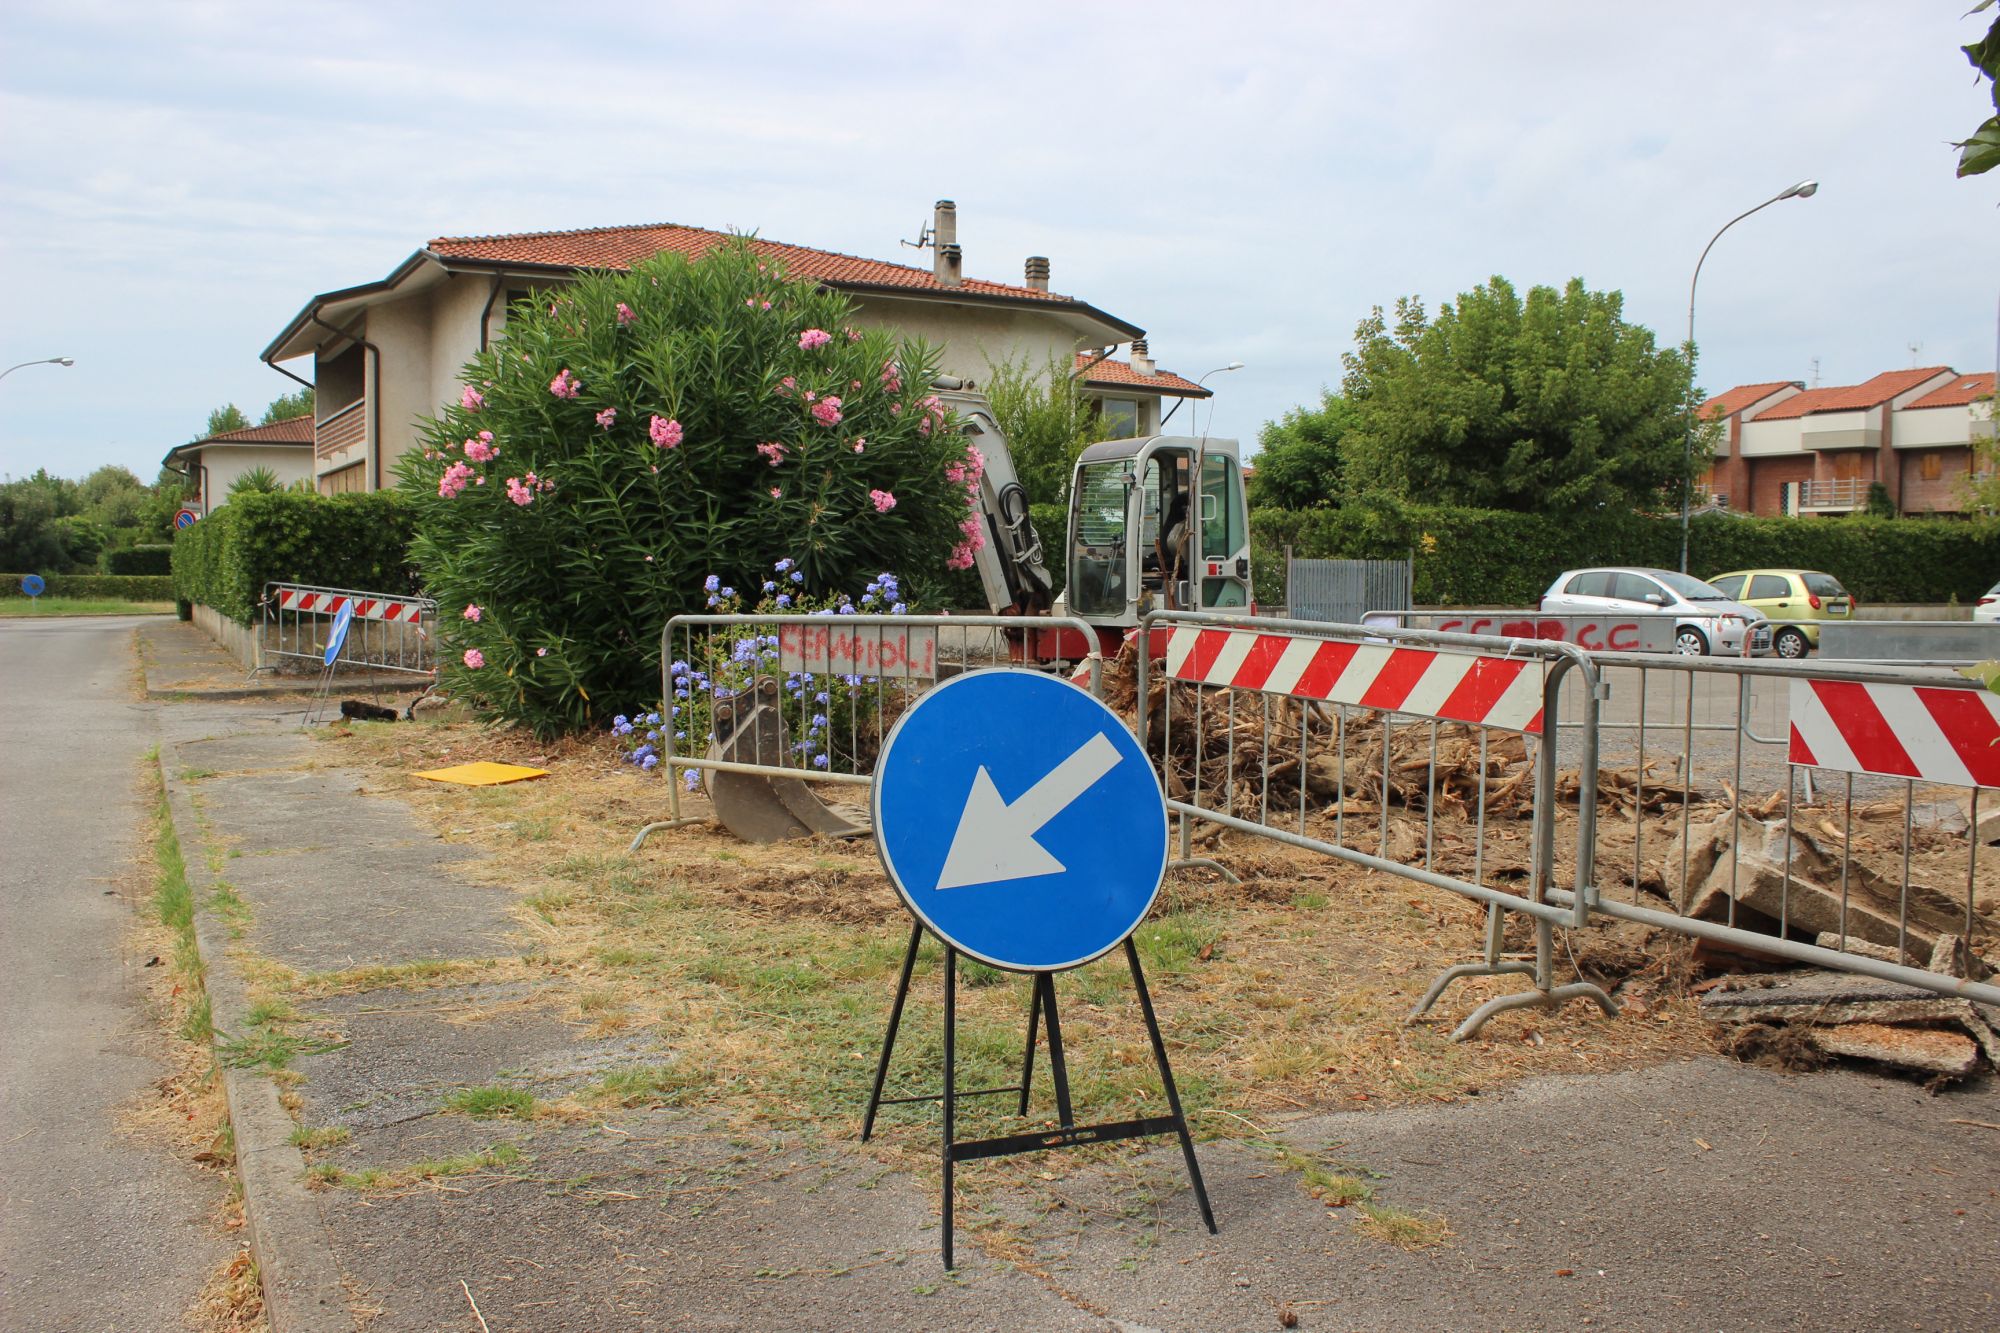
(1298,457)
(1552,404)
(228,417)
(291,405)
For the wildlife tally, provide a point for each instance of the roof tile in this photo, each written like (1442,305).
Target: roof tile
(621,247)
(1852,397)
(1109,373)
(1959,392)
(292,430)
(1731,401)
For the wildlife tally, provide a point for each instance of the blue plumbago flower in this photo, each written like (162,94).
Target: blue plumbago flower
(680,693)
(876,586)
(623,729)
(693,779)
(618,721)
(652,719)
(822,697)
(847,608)
(852,680)
(711,583)
(650,762)
(680,735)
(729,592)
(819,722)
(783,566)
(800,747)
(819,761)
(678,669)
(797,576)
(641,753)
(652,735)
(770,586)
(900,608)
(784,599)
(713,600)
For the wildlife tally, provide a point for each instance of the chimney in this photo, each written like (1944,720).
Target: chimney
(949,265)
(1038,272)
(1142,359)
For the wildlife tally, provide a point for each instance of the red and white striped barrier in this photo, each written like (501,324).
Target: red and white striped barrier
(1485,690)
(1905,731)
(365,608)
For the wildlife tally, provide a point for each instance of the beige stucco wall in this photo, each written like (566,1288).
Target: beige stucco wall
(1771,437)
(226,462)
(971,339)
(456,306)
(1931,427)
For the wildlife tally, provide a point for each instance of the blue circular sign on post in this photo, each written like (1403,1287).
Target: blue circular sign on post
(1020,820)
(33,586)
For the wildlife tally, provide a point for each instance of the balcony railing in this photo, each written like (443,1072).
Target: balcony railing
(348,426)
(1835,493)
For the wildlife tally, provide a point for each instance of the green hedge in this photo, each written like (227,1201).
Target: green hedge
(1052,526)
(140,560)
(342,541)
(1473,557)
(97,587)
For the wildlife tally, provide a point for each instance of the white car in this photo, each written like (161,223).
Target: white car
(1988,607)
(1705,621)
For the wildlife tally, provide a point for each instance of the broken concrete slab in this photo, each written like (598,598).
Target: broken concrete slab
(1823,998)
(1926,1050)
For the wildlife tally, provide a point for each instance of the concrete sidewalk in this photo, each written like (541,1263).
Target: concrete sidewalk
(1695,1195)
(180,662)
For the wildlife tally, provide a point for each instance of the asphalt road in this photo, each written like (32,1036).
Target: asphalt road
(98,1230)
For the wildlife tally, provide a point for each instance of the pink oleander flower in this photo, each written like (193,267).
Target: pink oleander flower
(882,500)
(606,417)
(453,481)
(473,611)
(774,454)
(854,384)
(827,411)
(541,652)
(777,493)
(479,481)
(626,314)
(519,494)
(786,387)
(814,339)
(895,409)
(892,377)
(854,335)
(860,443)
(665,433)
(471,400)
(565,385)
(478,450)
(474,659)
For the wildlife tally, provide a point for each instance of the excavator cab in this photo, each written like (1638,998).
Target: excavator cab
(1158,523)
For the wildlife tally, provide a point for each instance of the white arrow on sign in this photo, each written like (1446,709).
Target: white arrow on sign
(996,840)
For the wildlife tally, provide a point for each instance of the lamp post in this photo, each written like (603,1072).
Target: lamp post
(1199,382)
(44,361)
(1803,190)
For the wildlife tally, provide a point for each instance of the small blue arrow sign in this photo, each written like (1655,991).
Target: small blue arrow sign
(1019,820)
(32,585)
(338,638)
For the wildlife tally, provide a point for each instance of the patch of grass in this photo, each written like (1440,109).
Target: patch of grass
(79,606)
(197,774)
(649,1085)
(1400,1227)
(1336,1184)
(227,903)
(408,976)
(380,1178)
(1310,902)
(272,1050)
(1170,945)
(325,1136)
(535,828)
(493,1103)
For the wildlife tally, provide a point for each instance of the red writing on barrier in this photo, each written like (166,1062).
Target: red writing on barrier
(857,650)
(1596,636)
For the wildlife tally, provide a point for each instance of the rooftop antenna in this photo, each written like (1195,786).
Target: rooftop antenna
(924,237)
(1916,350)
(1815,372)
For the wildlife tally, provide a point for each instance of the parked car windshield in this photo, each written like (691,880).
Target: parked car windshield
(1691,588)
(1824,585)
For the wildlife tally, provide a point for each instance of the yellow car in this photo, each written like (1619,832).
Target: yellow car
(1793,600)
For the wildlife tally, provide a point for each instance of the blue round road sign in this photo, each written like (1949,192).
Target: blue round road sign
(32,585)
(1019,820)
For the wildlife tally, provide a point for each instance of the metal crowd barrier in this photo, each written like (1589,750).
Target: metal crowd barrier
(1862,764)
(1310,703)
(386,634)
(756,706)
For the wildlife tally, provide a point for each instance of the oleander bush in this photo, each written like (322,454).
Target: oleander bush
(634,434)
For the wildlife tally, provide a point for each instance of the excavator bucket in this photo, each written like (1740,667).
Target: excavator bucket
(750,729)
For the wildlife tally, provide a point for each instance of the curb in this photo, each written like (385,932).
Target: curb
(288,1238)
(304,685)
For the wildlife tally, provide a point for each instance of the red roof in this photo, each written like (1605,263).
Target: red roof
(1852,397)
(1108,373)
(1959,392)
(621,247)
(292,430)
(1731,401)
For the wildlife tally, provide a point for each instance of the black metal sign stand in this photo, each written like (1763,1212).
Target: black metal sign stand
(1041,1008)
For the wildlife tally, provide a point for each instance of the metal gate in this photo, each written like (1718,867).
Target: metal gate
(386,634)
(1343,591)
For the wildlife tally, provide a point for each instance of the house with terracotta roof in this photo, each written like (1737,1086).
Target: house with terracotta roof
(1787,449)
(385,354)
(213,464)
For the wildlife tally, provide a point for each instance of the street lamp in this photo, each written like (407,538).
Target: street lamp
(45,361)
(1803,190)
(1199,382)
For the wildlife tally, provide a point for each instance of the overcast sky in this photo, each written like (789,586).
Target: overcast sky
(1243,180)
